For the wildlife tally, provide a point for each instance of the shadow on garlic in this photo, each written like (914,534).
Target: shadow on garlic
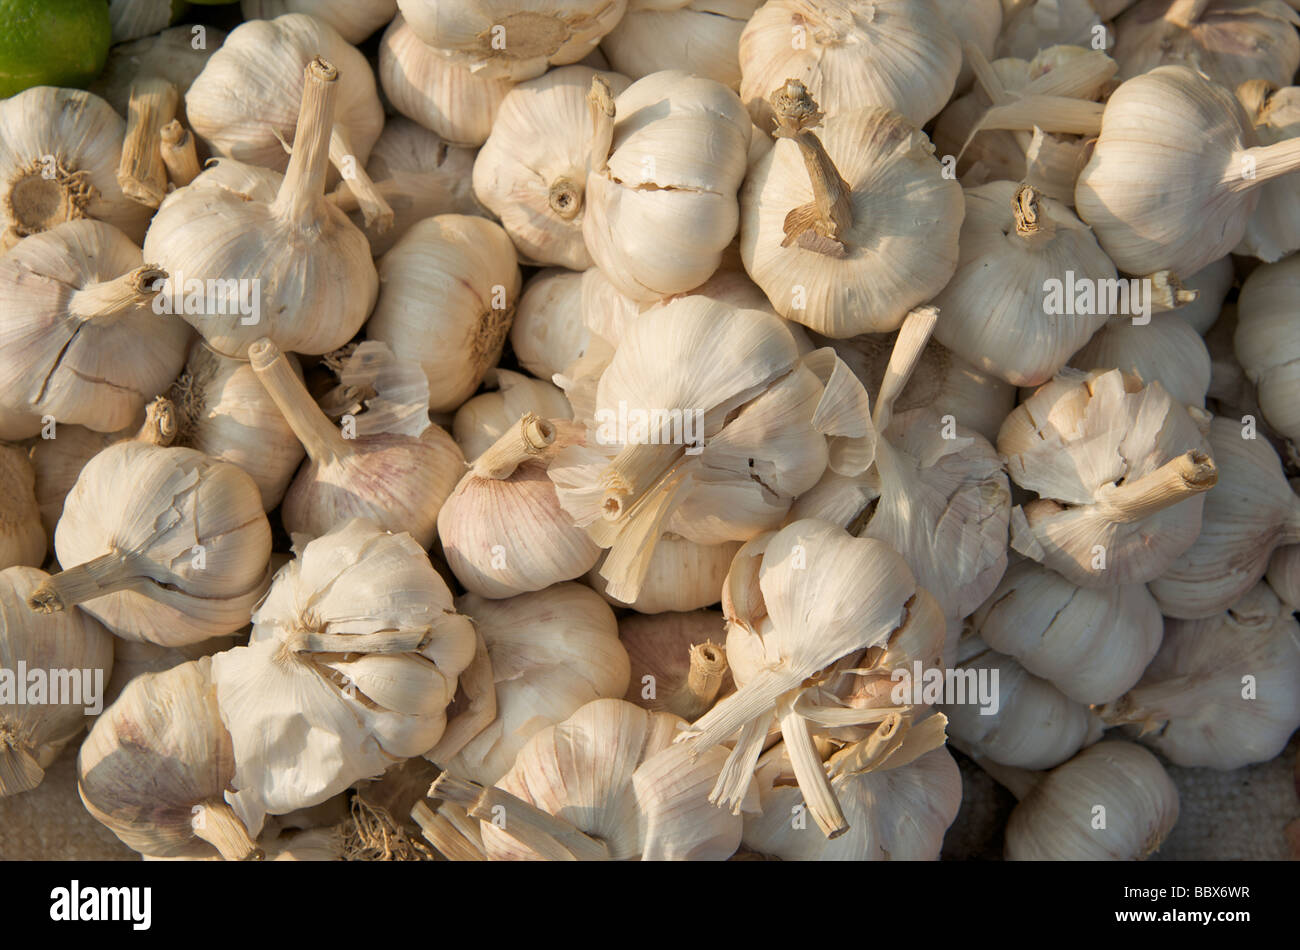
(22,534)
(1267,342)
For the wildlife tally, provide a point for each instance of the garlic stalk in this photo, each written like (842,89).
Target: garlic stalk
(679,664)
(299,271)
(1120,470)
(1267,342)
(398,480)
(355,20)
(1167,349)
(699,37)
(1271,232)
(849,229)
(165,726)
(35,728)
(1250,512)
(480,421)
(160,544)
(682,575)
(22,537)
(1224,691)
(502,530)
(251,122)
(179,153)
(352,662)
(1197,208)
(552,652)
(83,340)
(548,332)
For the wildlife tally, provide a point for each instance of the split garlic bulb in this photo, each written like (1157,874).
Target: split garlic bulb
(1167,349)
(397,478)
(486,417)
(513,39)
(848,229)
(1271,232)
(466,264)
(682,575)
(896,54)
(22,536)
(1267,342)
(436,89)
(665,161)
(1091,643)
(678,662)
(1249,513)
(552,652)
(82,340)
(355,20)
(696,36)
(1112,802)
(548,332)
(59,155)
(532,170)
(996,312)
(1224,691)
(35,729)
(165,726)
(503,531)
(1197,208)
(160,544)
(273,255)
(353,660)
(1120,470)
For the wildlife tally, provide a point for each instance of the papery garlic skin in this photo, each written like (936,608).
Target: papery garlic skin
(1056,821)
(552,652)
(355,20)
(548,332)
(483,419)
(1271,232)
(682,576)
(21,531)
(1167,349)
(32,733)
(1267,342)
(696,36)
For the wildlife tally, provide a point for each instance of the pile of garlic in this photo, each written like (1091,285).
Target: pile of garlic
(650,429)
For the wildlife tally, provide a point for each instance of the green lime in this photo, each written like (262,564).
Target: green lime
(51,43)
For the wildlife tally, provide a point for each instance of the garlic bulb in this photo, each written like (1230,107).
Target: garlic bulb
(699,37)
(679,664)
(132,19)
(896,54)
(223,411)
(169,545)
(274,256)
(399,480)
(486,417)
(1037,24)
(1167,349)
(997,312)
(1197,208)
(531,172)
(468,265)
(1230,41)
(682,575)
(548,332)
(502,530)
(976,23)
(1224,691)
(39,653)
(165,726)
(1091,643)
(1267,342)
(872,236)
(59,154)
(1120,470)
(1250,512)
(134,658)
(1111,802)
(22,537)
(514,39)
(1271,232)
(251,122)
(436,89)
(1284,574)
(606,784)
(82,338)
(355,20)
(552,652)
(353,659)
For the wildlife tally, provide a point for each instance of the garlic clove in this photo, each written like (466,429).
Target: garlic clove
(1268,345)
(549,333)
(682,575)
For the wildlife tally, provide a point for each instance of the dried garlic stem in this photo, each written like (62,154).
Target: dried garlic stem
(106,574)
(1168,292)
(1189,474)
(375,209)
(1024,208)
(600,104)
(521,442)
(811,774)
(19,770)
(215,822)
(694,697)
(910,343)
(553,838)
(304,179)
(178,153)
(1251,167)
(160,423)
(141,173)
(313,428)
(820,225)
(565,198)
(449,840)
(122,295)
(632,473)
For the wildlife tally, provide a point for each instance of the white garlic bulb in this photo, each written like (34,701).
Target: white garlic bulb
(355,20)
(1167,349)
(1249,513)
(896,54)
(682,575)
(352,662)
(552,652)
(532,170)
(252,253)
(997,312)
(848,229)
(480,421)
(503,531)
(1284,574)
(699,37)
(160,544)
(548,333)
(1120,470)
(1267,342)
(468,265)
(1271,232)
(665,161)
(22,536)
(678,662)
(82,340)
(40,652)
(1223,691)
